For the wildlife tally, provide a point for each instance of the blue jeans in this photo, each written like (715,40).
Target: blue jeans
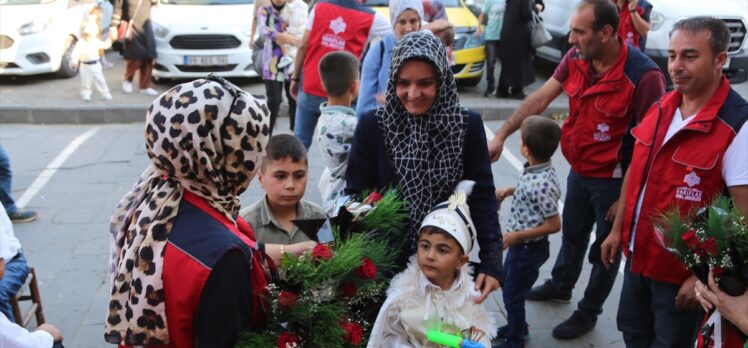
(587,201)
(647,316)
(16,272)
(5,177)
(521,270)
(492,53)
(307,113)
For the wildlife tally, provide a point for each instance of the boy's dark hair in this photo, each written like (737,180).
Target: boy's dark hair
(606,13)
(719,38)
(282,146)
(338,70)
(541,136)
(447,36)
(436,230)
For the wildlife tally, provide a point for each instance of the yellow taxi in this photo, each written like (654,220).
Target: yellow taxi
(468,52)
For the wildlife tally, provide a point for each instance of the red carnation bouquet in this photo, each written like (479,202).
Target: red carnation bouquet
(711,238)
(317,299)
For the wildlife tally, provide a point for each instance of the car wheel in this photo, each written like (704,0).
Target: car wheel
(469,82)
(68,68)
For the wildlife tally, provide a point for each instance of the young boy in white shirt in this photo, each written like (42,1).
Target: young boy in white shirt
(436,291)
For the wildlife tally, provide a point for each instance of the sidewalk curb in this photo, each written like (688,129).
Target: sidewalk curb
(98,114)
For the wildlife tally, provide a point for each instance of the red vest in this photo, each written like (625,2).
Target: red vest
(600,115)
(338,25)
(199,239)
(686,172)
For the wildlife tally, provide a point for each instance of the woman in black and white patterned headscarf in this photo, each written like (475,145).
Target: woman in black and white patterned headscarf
(423,142)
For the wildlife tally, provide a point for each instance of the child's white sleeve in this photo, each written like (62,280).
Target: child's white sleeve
(394,334)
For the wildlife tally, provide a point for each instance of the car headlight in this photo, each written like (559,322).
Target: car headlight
(35,26)
(656,19)
(159,30)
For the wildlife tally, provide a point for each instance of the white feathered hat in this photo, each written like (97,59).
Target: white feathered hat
(453,216)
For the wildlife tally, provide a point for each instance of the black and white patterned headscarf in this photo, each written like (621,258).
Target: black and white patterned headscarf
(425,151)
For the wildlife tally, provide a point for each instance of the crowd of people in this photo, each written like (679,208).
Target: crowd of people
(187,269)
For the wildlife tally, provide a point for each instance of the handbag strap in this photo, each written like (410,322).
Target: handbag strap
(140,2)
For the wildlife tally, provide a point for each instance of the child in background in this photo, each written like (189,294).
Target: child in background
(283,175)
(447,37)
(534,216)
(493,15)
(89,49)
(294,16)
(436,291)
(96,14)
(338,71)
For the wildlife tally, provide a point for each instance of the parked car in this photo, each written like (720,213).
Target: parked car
(194,37)
(469,54)
(664,15)
(39,36)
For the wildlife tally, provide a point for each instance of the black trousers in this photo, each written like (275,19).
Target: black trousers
(274,93)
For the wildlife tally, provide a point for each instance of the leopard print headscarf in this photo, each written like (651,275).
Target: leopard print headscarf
(206,136)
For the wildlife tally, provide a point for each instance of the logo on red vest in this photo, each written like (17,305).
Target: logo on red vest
(690,193)
(602,132)
(335,41)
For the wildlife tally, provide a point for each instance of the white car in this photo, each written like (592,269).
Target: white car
(196,37)
(665,13)
(39,36)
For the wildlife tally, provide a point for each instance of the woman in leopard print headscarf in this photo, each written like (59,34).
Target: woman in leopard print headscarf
(180,259)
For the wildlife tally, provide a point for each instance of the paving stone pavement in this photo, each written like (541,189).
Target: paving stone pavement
(69,244)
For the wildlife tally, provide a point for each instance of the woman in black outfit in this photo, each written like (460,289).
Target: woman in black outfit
(516,52)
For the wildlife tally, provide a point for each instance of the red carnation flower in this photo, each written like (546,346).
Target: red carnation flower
(710,246)
(718,271)
(322,252)
(692,242)
(287,340)
(353,333)
(373,198)
(348,289)
(287,299)
(367,270)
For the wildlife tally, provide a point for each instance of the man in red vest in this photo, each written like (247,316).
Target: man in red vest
(610,86)
(332,25)
(690,147)
(633,22)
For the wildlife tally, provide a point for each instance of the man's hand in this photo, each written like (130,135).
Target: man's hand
(438,25)
(686,298)
(632,5)
(611,214)
(485,284)
(495,146)
(610,247)
(510,239)
(2,268)
(294,89)
(56,334)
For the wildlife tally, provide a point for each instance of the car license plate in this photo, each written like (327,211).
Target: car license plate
(206,60)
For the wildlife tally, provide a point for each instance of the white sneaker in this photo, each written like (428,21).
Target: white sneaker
(149,91)
(127,86)
(86,98)
(107,96)
(284,62)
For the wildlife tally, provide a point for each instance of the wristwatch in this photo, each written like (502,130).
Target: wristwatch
(632,11)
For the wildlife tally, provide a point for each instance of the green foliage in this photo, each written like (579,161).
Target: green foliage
(322,304)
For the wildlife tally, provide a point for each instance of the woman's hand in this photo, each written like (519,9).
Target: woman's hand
(732,308)
(299,248)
